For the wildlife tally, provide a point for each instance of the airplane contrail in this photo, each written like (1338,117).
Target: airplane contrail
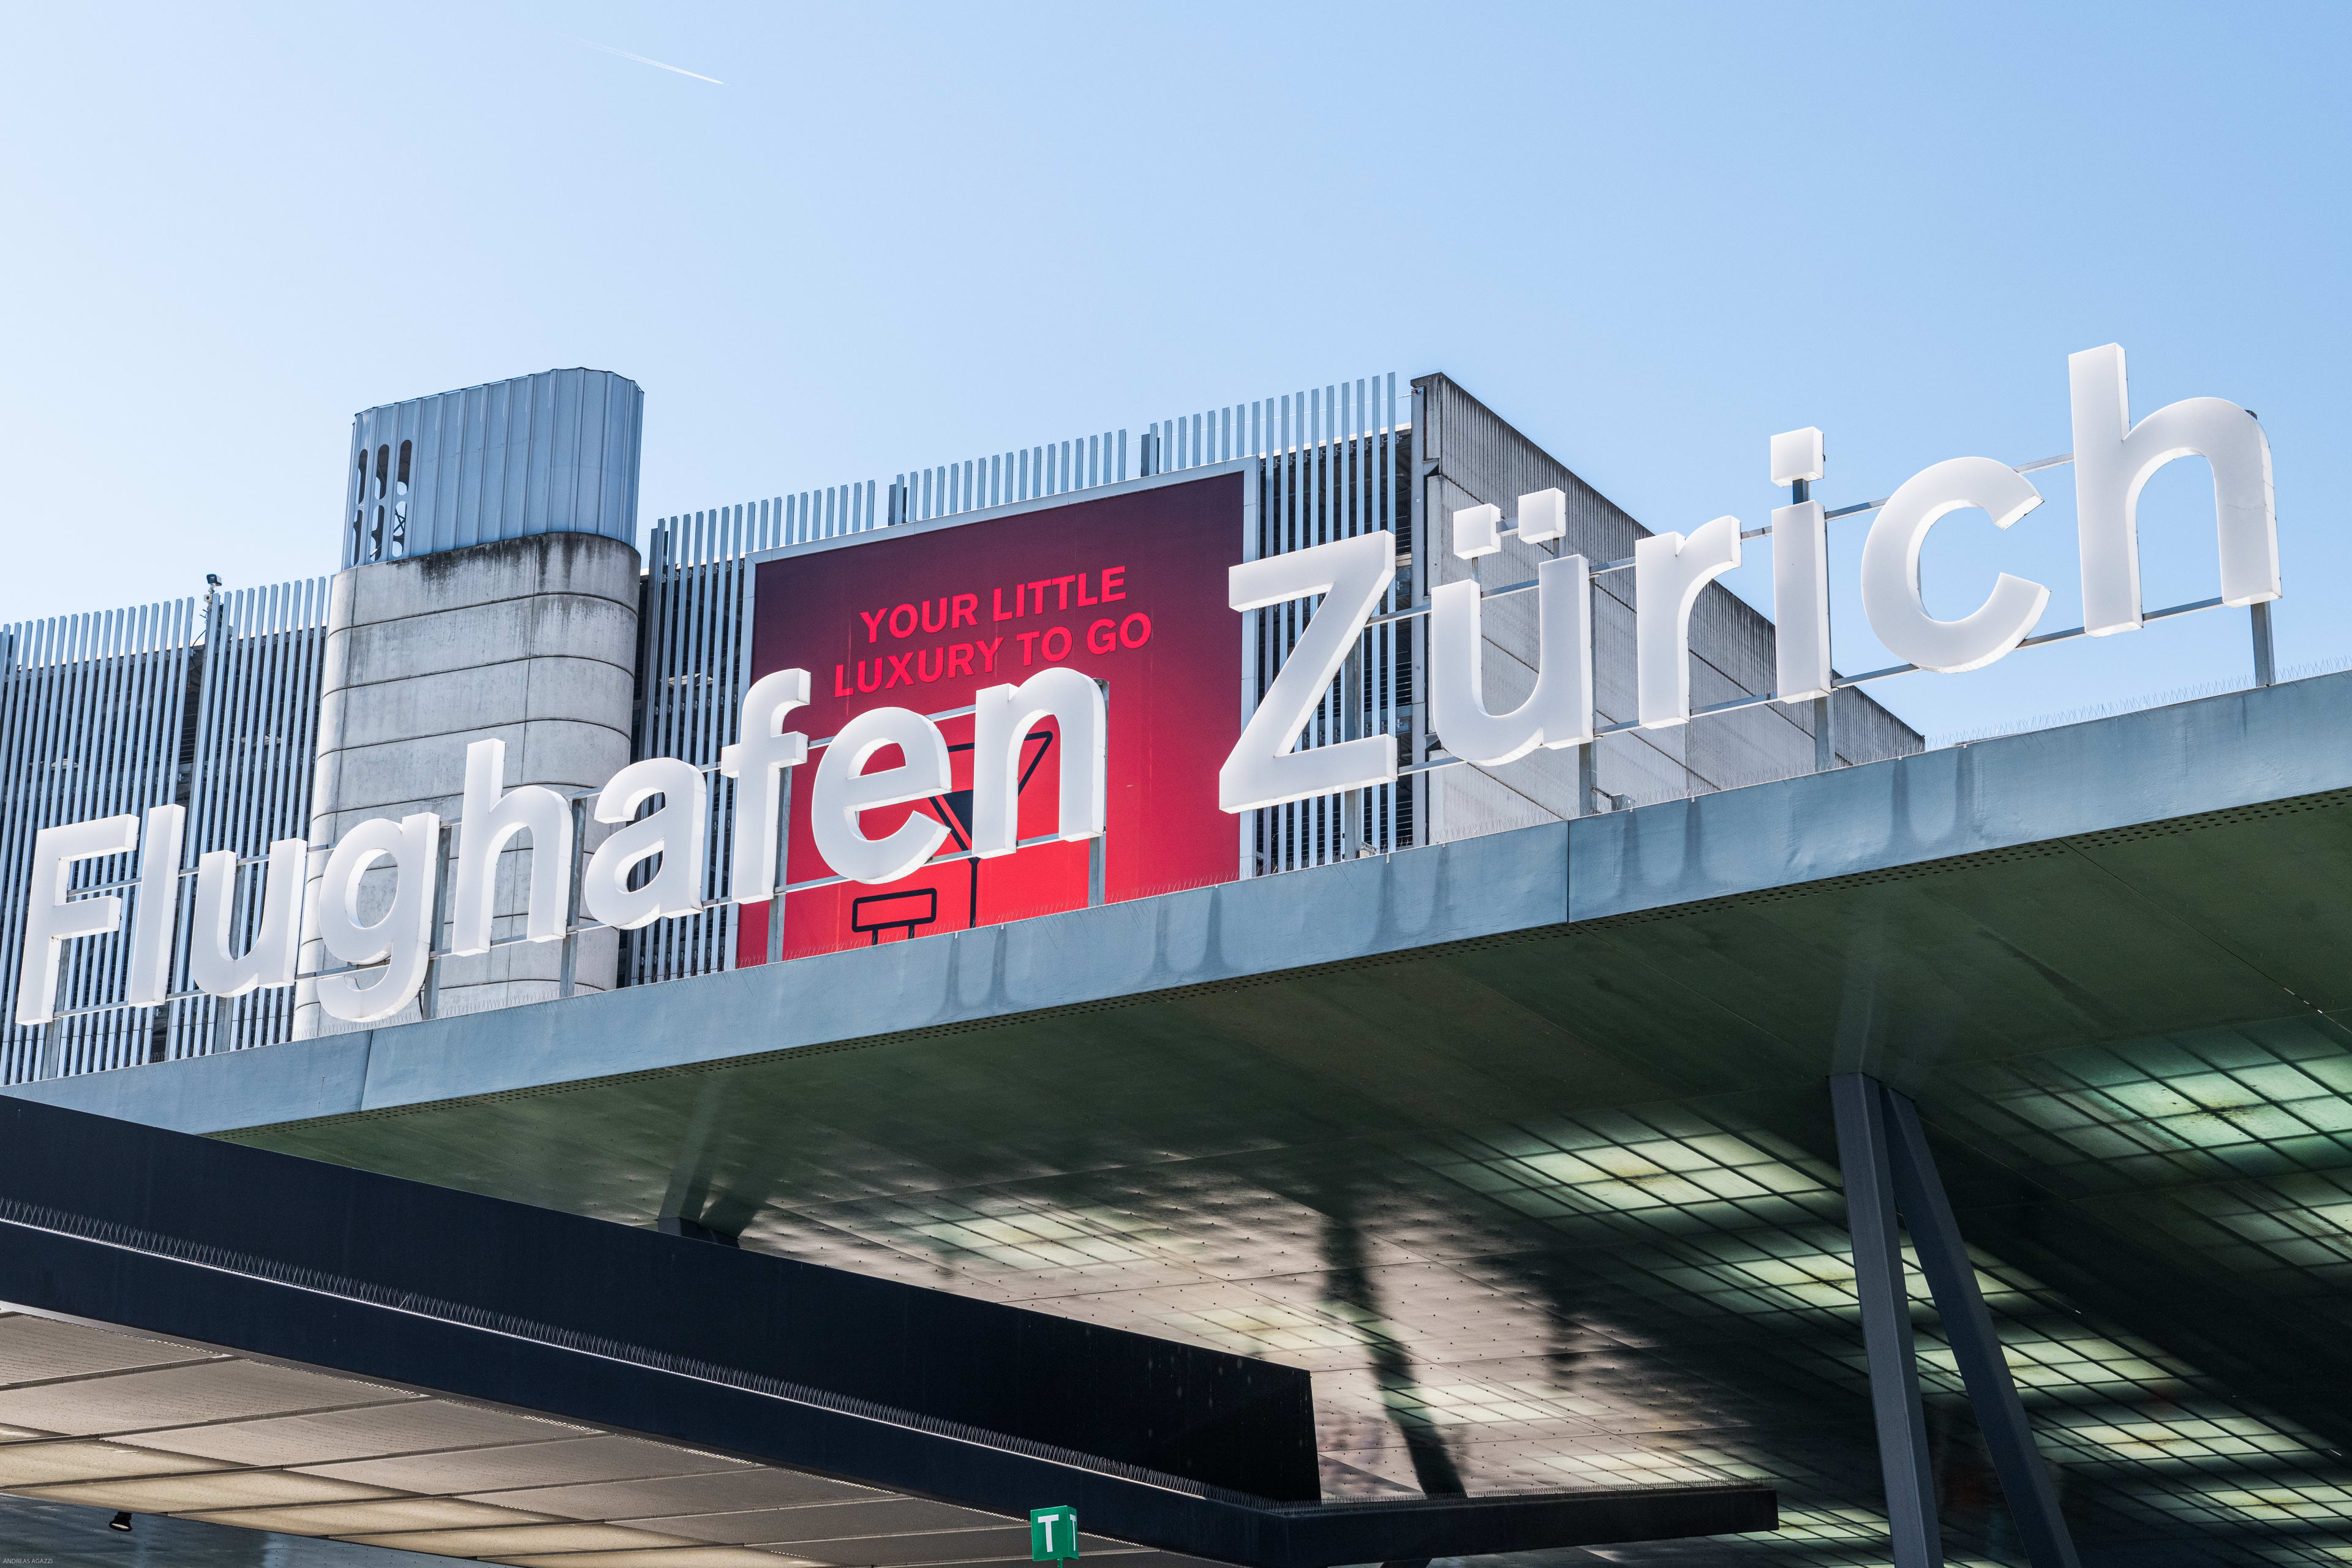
(659,65)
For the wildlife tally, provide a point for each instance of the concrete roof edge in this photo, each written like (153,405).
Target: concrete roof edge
(1414,898)
(2239,749)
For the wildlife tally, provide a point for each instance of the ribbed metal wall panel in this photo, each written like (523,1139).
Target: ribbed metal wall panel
(255,743)
(552,453)
(1331,461)
(124,710)
(694,649)
(1001,478)
(119,711)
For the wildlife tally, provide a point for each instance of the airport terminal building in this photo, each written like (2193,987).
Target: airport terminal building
(1286,987)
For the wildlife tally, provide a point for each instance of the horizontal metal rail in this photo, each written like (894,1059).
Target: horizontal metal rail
(2067,635)
(1626,563)
(1757,700)
(1838,682)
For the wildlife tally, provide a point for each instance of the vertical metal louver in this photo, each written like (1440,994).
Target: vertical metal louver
(213,709)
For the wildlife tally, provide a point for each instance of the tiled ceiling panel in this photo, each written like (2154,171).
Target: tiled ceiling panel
(37,1350)
(503,1539)
(216,1391)
(565,1462)
(385,1469)
(374,1518)
(47,1464)
(412,1427)
(768,1525)
(658,1557)
(897,1551)
(883,1516)
(686,1494)
(211,1489)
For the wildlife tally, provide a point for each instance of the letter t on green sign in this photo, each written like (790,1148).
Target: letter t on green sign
(1052,1534)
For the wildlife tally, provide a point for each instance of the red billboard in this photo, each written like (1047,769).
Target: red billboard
(1130,589)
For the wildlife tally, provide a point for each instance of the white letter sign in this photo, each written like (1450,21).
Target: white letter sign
(1427,679)
(270,960)
(1890,567)
(675,832)
(2113,459)
(52,920)
(1801,575)
(155,913)
(1262,769)
(1001,718)
(757,764)
(844,789)
(1558,713)
(492,819)
(1668,572)
(403,940)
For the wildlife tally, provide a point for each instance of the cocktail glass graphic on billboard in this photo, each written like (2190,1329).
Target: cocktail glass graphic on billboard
(1130,590)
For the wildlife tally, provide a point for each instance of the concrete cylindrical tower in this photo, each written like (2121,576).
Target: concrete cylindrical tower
(530,640)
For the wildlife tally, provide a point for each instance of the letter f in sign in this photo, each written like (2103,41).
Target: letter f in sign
(1052,1534)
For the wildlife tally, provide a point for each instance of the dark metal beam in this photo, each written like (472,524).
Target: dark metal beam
(1952,1279)
(732,1352)
(1887,1321)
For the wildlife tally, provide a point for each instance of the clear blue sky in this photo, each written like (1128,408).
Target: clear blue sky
(1650,235)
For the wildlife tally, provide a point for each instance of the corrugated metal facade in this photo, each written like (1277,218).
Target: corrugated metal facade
(1333,464)
(1328,466)
(119,711)
(555,452)
(1003,478)
(1466,454)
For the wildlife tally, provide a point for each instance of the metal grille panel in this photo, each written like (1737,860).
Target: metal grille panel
(119,711)
(1332,464)
(1003,478)
(693,651)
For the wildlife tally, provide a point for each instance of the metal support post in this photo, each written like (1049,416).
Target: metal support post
(1952,1279)
(1098,846)
(1422,540)
(1886,1322)
(1350,803)
(1588,755)
(428,1001)
(783,847)
(2265,664)
(1824,707)
(567,976)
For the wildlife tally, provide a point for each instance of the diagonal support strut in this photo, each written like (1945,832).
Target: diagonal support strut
(1889,1168)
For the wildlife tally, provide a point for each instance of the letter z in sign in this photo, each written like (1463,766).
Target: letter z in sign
(1352,575)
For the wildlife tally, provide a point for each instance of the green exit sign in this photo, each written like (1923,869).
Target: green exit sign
(1052,1534)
